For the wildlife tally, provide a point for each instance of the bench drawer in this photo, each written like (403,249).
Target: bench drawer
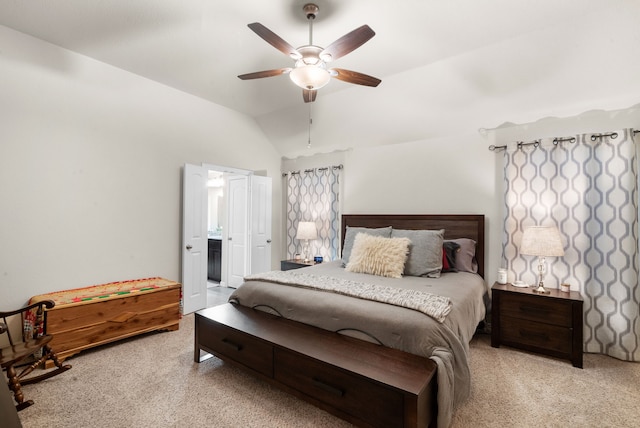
(236,345)
(363,398)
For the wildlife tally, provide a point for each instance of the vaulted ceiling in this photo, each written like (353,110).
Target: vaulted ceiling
(447,66)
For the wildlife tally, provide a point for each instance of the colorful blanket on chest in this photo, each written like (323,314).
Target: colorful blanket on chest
(111,290)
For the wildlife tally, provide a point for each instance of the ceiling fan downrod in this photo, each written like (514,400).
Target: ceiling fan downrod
(311,10)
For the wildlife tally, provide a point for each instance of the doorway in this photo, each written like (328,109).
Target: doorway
(226,240)
(231,208)
(216,208)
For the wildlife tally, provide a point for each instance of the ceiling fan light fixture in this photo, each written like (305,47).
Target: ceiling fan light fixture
(326,57)
(310,77)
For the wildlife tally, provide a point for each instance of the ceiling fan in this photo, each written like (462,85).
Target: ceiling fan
(310,70)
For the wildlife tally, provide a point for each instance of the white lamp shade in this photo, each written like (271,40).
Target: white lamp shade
(542,241)
(306,230)
(310,76)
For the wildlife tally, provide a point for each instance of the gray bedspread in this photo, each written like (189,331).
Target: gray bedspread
(446,343)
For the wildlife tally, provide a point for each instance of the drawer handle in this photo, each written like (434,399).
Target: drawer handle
(329,388)
(534,309)
(232,344)
(525,333)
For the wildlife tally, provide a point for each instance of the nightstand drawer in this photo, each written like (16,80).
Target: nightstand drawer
(539,335)
(536,308)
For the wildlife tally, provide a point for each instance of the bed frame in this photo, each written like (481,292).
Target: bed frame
(366,384)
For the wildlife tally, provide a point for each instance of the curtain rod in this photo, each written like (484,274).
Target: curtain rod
(558,140)
(284,174)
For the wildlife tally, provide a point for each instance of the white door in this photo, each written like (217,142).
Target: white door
(260,224)
(194,239)
(237,225)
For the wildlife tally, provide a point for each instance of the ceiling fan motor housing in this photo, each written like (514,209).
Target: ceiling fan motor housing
(310,10)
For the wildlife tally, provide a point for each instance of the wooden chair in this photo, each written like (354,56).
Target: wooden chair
(16,352)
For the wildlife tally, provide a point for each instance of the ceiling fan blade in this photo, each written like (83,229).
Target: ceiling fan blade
(354,77)
(265,73)
(274,40)
(347,43)
(309,96)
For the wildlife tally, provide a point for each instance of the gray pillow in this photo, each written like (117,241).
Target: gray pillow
(350,236)
(425,251)
(466,255)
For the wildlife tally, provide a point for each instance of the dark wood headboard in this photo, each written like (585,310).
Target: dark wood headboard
(454,225)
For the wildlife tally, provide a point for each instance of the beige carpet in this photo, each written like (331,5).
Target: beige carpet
(151,381)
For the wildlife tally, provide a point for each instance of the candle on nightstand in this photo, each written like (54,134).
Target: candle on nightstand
(502,276)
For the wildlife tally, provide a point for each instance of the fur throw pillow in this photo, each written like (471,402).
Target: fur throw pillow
(377,255)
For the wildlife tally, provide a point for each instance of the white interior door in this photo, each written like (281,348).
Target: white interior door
(237,225)
(260,224)
(194,239)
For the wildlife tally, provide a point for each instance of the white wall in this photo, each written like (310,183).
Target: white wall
(90,169)
(453,175)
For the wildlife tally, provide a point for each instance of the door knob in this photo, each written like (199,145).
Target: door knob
(189,247)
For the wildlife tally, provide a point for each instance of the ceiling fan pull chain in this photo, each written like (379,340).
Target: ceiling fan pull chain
(310,122)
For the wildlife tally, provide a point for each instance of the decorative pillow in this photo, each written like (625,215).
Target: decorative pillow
(445,262)
(425,251)
(449,251)
(350,236)
(466,255)
(377,255)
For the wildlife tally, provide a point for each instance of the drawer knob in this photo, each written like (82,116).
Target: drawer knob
(329,388)
(534,309)
(541,336)
(232,344)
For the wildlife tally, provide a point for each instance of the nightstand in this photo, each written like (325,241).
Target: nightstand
(294,264)
(549,324)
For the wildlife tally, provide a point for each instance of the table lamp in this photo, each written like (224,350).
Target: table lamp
(541,241)
(306,231)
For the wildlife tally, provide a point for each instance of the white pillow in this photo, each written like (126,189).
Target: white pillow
(377,255)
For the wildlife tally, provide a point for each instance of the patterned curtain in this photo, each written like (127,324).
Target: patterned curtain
(587,186)
(312,195)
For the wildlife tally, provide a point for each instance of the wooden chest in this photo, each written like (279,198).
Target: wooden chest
(87,317)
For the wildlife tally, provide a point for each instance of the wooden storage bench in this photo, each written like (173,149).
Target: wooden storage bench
(91,316)
(364,383)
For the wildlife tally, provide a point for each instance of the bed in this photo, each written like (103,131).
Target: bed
(438,329)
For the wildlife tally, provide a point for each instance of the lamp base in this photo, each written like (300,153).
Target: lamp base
(305,250)
(541,290)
